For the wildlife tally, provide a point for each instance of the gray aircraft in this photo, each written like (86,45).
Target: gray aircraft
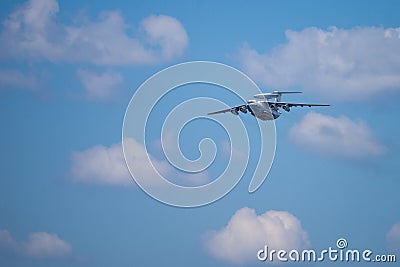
(268,107)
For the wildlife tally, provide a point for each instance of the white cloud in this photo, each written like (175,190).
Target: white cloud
(45,245)
(100,86)
(106,165)
(393,239)
(32,31)
(229,151)
(40,245)
(168,33)
(101,165)
(7,242)
(339,63)
(246,233)
(11,79)
(335,136)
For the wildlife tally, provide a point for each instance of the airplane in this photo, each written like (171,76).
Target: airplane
(266,109)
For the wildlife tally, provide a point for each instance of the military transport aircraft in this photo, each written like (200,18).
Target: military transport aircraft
(268,107)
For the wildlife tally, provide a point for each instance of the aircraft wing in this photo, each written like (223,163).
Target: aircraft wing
(281,104)
(232,109)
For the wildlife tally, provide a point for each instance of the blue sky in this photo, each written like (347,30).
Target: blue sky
(69,68)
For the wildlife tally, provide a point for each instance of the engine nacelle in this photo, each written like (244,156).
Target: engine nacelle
(243,109)
(272,107)
(234,111)
(286,108)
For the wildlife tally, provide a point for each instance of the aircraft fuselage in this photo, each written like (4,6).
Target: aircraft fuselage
(262,111)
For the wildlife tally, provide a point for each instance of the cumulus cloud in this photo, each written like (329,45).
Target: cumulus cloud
(335,137)
(40,245)
(168,33)
(100,86)
(338,63)
(393,239)
(106,165)
(246,233)
(32,31)
(101,165)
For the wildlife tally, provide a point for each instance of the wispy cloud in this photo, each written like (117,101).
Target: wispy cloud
(338,63)
(33,32)
(332,136)
(15,79)
(40,245)
(100,86)
(393,239)
(247,232)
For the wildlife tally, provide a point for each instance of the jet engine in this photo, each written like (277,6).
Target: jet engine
(286,108)
(234,111)
(243,109)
